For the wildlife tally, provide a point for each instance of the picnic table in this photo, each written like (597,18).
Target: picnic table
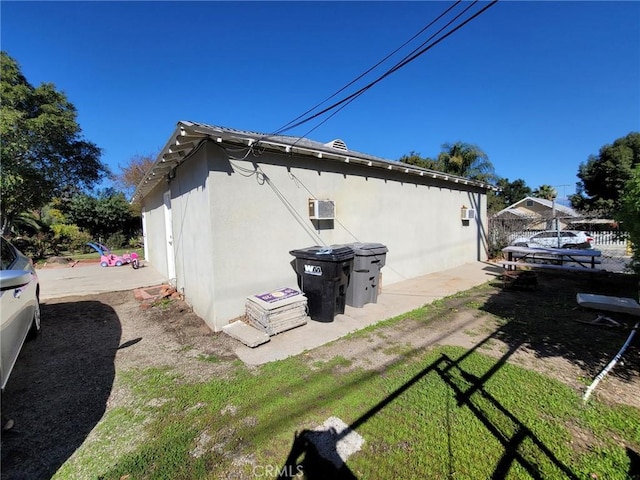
(552,258)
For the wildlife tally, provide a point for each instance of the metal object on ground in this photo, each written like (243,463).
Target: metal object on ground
(602,321)
(611,364)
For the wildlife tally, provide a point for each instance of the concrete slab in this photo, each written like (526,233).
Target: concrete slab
(251,337)
(394,300)
(88,279)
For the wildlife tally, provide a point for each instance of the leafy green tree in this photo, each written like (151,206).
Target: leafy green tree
(603,177)
(42,149)
(545,191)
(80,210)
(68,238)
(103,215)
(509,193)
(629,212)
(513,192)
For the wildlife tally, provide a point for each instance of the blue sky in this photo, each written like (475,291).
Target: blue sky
(539,86)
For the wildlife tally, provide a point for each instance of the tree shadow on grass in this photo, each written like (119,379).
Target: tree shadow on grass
(550,323)
(59,388)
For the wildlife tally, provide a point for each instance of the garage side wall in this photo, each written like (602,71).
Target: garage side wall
(257,218)
(192,232)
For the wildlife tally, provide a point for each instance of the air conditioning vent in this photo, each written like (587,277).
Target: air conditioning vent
(322,209)
(468,214)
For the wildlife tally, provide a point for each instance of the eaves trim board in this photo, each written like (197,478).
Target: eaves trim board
(188,135)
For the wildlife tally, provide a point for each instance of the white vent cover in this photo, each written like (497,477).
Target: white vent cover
(468,214)
(337,144)
(322,209)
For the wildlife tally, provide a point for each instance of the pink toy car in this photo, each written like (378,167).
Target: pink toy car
(109,259)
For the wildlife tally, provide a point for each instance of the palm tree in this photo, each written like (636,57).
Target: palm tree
(545,191)
(414,158)
(466,160)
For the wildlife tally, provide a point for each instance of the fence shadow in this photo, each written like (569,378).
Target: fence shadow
(469,393)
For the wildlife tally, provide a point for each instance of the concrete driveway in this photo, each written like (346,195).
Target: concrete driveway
(88,279)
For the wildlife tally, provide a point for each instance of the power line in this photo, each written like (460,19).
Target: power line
(406,60)
(423,29)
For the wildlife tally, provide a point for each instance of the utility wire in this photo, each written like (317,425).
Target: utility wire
(407,58)
(262,178)
(370,69)
(411,58)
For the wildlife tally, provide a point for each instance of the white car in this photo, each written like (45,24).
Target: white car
(554,239)
(19,306)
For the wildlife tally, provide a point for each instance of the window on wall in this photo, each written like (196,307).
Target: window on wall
(529,203)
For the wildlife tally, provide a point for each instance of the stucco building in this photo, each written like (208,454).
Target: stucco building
(222,208)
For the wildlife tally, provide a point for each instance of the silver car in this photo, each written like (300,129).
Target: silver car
(19,306)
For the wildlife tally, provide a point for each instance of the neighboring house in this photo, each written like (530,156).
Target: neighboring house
(222,208)
(538,214)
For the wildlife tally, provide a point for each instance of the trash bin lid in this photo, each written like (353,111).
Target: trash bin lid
(329,254)
(363,249)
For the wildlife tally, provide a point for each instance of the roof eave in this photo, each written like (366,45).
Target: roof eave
(189,135)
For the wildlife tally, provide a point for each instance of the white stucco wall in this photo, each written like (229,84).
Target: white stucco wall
(233,230)
(193,241)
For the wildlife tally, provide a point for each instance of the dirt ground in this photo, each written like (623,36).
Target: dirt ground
(66,379)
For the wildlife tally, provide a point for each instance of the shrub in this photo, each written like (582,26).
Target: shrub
(629,214)
(69,238)
(136,242)
(37,246)
(116,240)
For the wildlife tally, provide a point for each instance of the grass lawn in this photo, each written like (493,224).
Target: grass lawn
(442,412)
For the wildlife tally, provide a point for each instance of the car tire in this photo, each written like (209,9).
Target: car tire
(34,330)
(104,264)
(118,263)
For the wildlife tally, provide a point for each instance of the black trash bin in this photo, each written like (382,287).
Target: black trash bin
(323,275)
(368,260)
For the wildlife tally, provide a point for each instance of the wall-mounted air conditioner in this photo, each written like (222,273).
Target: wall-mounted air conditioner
(467,213)
(322,209)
